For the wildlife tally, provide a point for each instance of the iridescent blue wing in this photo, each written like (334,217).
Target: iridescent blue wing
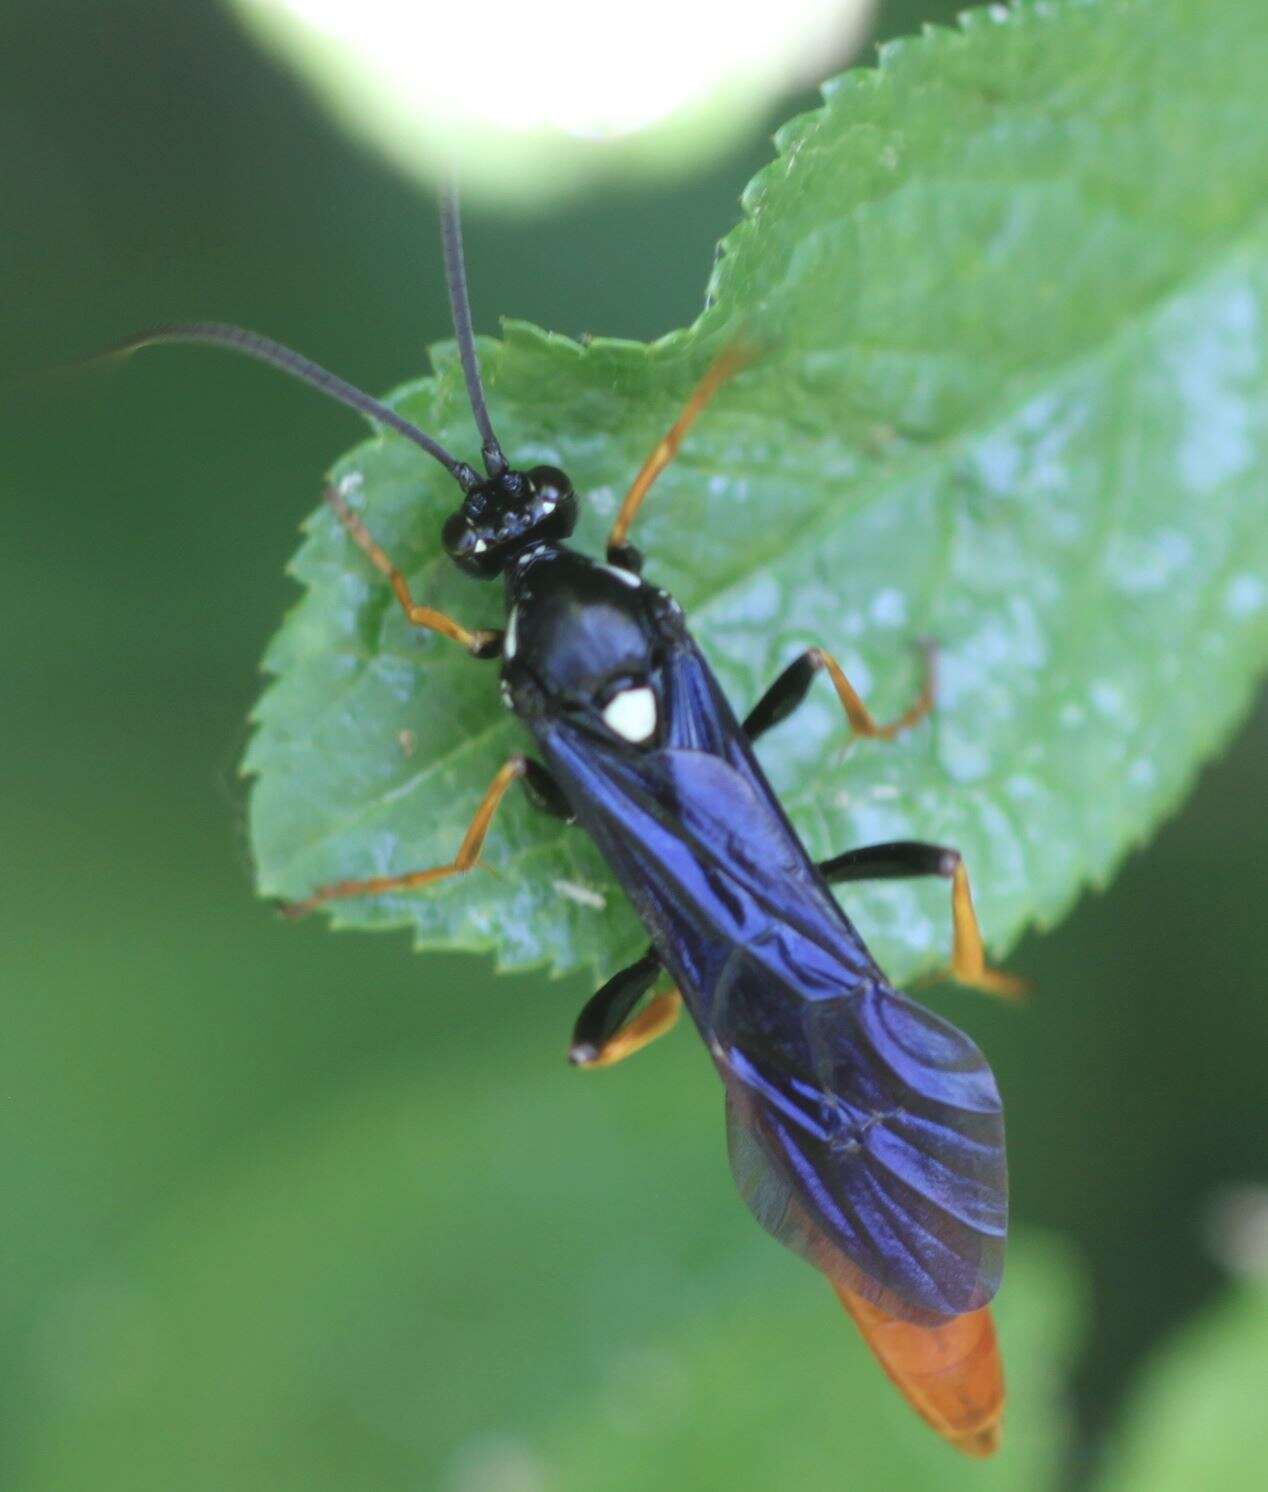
(885,1168)
(908,1209)
(865,1132)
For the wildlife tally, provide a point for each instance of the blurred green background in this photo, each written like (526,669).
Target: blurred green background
(286,1209)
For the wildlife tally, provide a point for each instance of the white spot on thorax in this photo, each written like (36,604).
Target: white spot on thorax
(632,714)
(510,639)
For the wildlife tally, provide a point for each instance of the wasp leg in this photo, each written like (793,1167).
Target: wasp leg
(906,858)
(467,856)
(544,793)
(735,357)
(604,1034)
(792,686)
(481,644)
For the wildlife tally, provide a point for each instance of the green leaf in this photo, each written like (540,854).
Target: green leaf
(392,1291)
(1011,291)
(1197,1417)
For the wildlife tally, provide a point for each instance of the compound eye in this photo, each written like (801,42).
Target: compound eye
(549,483)
(458,537)
(554,502)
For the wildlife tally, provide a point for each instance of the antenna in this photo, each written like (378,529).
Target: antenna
(495,463)
(265,350)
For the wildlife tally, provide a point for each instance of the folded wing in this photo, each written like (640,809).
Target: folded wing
(886,1203)
(880,1121)
(873,1146)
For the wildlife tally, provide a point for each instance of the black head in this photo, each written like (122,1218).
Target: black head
(505,515)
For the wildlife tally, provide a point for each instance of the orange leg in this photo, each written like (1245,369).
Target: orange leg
(951,1374)
(792,686)
(862,721)
(909,858)
(482,643)
(659,1015)
(729,362)
(605,1032)
(467,856)
(968,956)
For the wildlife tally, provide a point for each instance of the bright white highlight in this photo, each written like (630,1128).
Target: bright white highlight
(572,65)
(632,715)
(510,640)
(432,80)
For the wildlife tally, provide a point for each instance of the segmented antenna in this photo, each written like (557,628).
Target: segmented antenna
(265,350)
(495,463)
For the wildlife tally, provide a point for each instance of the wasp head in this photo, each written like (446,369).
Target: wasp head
(502,517)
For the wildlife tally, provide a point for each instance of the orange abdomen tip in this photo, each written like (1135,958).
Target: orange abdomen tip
(950,1374)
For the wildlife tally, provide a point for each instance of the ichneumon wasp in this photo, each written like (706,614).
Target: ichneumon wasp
(864,1132)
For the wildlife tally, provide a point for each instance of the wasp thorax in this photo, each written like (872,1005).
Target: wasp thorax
(507,514)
